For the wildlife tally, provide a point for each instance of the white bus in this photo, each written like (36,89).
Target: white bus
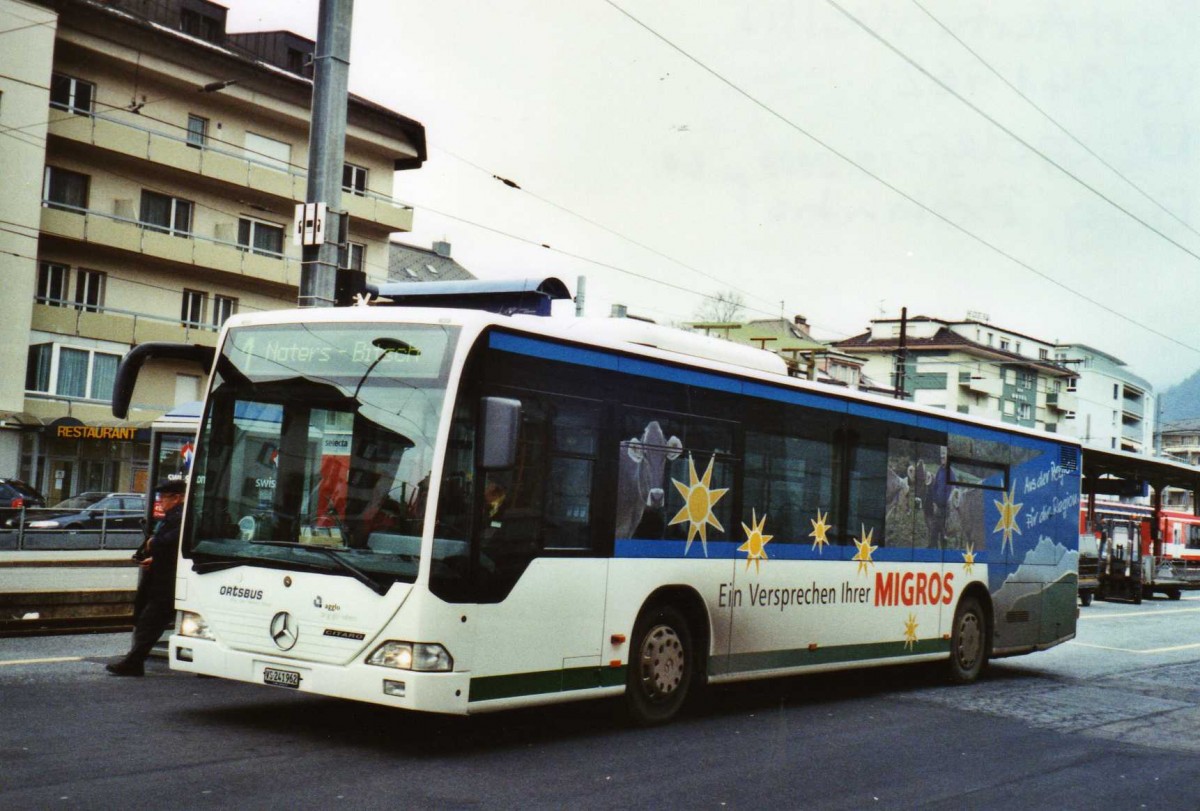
(458,511)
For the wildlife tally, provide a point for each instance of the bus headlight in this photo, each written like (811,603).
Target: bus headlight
(191,624)
(420,656)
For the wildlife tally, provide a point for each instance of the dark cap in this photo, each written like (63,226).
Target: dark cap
(178,486)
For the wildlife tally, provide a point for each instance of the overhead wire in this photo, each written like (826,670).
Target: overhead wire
(1058,125)
(962,229)
(1006,130)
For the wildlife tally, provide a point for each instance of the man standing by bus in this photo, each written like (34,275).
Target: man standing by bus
(156,591)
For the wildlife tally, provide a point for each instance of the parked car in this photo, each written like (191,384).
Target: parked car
(15,494)
(89,510)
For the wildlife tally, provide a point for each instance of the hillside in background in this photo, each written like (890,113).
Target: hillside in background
(1182,401)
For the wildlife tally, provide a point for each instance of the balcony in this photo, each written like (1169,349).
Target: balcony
(1133,406)
(225,163)
(122,233)
(1062,401)
(978,384)
(120,326)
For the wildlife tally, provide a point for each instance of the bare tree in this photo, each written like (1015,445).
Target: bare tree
(725,307)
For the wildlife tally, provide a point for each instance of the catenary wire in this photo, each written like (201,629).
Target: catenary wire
(894,188)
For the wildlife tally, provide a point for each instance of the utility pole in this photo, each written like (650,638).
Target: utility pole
(902,355)
(327,152)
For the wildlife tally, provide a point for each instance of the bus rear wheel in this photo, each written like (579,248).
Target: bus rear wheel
(661,665)
(968,642)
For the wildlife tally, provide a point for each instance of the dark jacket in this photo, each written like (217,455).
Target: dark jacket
(163,550)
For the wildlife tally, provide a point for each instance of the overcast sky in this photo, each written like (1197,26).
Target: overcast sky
(793,155)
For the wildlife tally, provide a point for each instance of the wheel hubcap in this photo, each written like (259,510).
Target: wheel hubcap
(661,662)
(970,641)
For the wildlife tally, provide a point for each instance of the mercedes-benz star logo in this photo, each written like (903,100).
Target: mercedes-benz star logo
(283,631)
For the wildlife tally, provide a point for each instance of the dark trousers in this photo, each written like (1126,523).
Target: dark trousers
(156,611)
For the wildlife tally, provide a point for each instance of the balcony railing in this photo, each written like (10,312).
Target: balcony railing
(124,233)
(1062,401)
(225,162)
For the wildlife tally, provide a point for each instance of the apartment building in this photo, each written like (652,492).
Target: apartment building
(152,164)
(805,355)
(970,367)
(1111,407)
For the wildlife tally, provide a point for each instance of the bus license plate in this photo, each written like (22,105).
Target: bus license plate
(281,678)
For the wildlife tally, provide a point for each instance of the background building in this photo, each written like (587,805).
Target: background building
(970,366)
(1111,407)
(791,340)
(408,263)
(152,163)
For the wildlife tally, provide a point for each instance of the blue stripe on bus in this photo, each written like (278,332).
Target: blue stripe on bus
(727,550)
(657,370)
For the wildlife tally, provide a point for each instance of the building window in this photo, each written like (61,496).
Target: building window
(354,179)
(1070,415)
(354,256)
(89,290)
(170,215)
(1043,354)
(52,284)
(1116,391)
(71,94)
(297,61)
(37,371)
(223,307)
(64,190)
(1072,383)
(1004,344)
(191,314)
(1024,411)
(81,373)
(197,131)
(200,25)
(260,237)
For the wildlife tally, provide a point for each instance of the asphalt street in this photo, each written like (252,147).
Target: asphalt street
(1108,721)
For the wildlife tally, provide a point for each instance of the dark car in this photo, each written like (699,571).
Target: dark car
(15,494)
(90,510)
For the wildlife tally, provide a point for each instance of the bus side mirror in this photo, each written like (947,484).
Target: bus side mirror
(499,425)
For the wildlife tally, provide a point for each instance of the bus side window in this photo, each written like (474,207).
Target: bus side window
(1193,536)
(789,479)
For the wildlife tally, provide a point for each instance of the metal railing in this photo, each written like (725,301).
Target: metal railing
(100,529)
(235,152)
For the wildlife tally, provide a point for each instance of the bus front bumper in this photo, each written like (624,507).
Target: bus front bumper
(406,689)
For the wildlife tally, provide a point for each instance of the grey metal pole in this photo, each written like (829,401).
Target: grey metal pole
(327,148)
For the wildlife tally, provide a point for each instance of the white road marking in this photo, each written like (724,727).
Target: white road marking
(54,660)
(1139,614)
(1137,650)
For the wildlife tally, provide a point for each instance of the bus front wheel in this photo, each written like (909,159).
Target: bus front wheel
(661,665)
(968,642)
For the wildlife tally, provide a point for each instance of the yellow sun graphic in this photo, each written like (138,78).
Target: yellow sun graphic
(820,533)
(1008,518)
(698,501)
(910,631)
(969,558)
(755,541)
(863,555)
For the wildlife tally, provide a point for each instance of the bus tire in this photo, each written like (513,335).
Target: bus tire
(661,665)
(1174,594)
(968,641)
(1085,598)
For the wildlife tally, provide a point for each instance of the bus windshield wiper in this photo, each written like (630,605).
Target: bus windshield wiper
(218,565)
(358,573)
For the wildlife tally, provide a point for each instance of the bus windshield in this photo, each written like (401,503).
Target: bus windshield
(316,448)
